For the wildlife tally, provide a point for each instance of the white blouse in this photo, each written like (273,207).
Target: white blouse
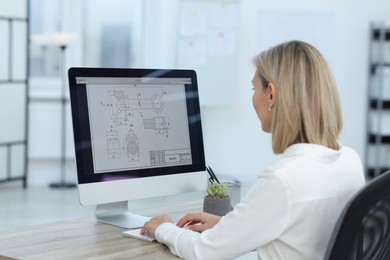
(289,213)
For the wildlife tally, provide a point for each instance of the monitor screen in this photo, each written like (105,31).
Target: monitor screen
(134,130)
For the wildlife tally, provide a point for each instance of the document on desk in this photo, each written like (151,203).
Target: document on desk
(135,233)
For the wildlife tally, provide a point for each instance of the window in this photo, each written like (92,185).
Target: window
(44,19)
(112,33)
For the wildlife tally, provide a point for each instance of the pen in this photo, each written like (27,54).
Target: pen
(211,179)
(213,176)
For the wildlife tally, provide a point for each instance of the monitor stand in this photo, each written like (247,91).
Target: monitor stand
(117,214)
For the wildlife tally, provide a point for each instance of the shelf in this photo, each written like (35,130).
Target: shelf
(376,34)
(376,65)
(385,139)
(374,104)
(371,171)
(378,105)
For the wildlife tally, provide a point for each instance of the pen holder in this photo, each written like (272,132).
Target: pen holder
(234,190)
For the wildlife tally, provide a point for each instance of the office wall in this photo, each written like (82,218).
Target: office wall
(234,142)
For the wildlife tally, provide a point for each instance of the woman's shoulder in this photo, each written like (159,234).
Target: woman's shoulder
(348,151)
(300,158)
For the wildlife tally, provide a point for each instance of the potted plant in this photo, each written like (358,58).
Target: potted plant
(217,201)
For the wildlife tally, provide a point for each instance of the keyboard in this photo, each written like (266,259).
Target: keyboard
(135,233)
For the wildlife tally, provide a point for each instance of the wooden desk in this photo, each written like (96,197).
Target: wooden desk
(87,239)
(78,239)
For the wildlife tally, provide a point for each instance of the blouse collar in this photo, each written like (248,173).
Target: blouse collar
(313,150)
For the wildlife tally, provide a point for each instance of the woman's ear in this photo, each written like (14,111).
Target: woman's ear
(271,92)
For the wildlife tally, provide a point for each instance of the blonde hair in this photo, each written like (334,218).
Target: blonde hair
(307,105)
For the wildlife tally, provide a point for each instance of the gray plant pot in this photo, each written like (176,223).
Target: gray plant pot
(216,206)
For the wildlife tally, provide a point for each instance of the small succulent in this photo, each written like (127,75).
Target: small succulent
(217,190)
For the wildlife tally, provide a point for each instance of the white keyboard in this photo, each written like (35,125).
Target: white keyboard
(135,233)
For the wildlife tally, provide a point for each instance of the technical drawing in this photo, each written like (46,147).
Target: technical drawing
(139,125)
(128,105)
(157,103)
(132,147)
(127,102)
(169,157)
(159,124)
(113,145)
(118,105)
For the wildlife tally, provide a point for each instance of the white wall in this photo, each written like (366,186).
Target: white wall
(234,142)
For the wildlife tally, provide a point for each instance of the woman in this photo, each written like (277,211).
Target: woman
(293,206)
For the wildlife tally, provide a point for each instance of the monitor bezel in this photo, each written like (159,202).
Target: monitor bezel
(81,128)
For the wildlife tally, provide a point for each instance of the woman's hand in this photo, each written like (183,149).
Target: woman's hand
(151,225)
(198,221)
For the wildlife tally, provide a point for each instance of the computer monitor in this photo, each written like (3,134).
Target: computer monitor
(137,134)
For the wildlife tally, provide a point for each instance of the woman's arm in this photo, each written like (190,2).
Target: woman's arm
(198,222)
(259,219)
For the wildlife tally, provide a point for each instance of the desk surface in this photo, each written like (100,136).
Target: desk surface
(78,239)
(86,239)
